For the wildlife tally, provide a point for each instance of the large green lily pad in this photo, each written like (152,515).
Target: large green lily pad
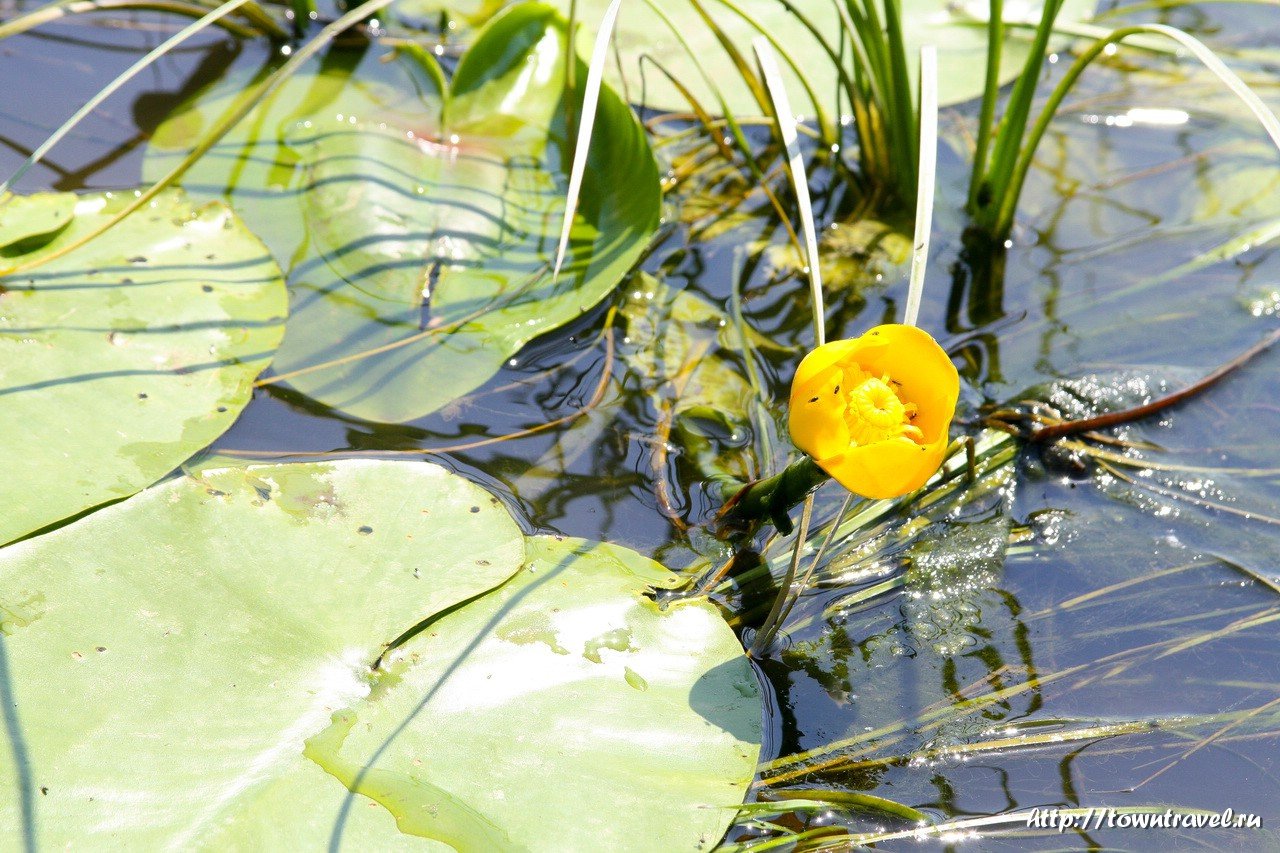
(564,711)
(421,219)
(193,668)
(167,656)
(122,358)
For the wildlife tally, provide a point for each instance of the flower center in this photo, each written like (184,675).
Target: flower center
(874,411)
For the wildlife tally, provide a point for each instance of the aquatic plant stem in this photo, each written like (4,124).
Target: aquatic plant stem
(925,180)
(817,558)
(769,628)
(1008,181)
(773,497)
(1054,431)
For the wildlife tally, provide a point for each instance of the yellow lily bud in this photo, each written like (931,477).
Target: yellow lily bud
(874,412)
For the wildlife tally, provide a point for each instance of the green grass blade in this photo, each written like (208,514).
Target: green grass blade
(1008,199)
(735,56)
(785,123)
(586,124)
(925,183)
(826,127)
(1009,133)
(990,94)
(54,11)
(898,110)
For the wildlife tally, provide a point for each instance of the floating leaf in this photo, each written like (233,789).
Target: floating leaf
(124,357)
(422,223)
(176,649)
(24,218)
(565,711)
(180,667)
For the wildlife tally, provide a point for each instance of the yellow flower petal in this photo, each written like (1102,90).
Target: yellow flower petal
(875,411)
(885,469)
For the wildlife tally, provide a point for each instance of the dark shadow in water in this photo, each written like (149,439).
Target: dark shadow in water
(977,285)
(21,758)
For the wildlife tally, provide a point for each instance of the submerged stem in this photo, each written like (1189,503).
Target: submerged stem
(1110,419)
(769,629)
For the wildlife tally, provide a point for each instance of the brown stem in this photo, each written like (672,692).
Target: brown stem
(1058,430)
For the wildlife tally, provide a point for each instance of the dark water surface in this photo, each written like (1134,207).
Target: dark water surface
(1145,611)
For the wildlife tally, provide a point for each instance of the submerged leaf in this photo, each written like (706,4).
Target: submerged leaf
(643,40)
(689,356)
(121,359)
(853,256)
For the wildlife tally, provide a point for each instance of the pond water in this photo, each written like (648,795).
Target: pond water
(1087,627)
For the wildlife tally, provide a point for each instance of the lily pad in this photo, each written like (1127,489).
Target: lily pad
(124,357)
(30,217)
(194,667)
(564,711)
(422,222)
(643,40)
(167,656)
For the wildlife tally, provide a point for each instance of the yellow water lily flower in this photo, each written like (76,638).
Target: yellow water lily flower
(874,411)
